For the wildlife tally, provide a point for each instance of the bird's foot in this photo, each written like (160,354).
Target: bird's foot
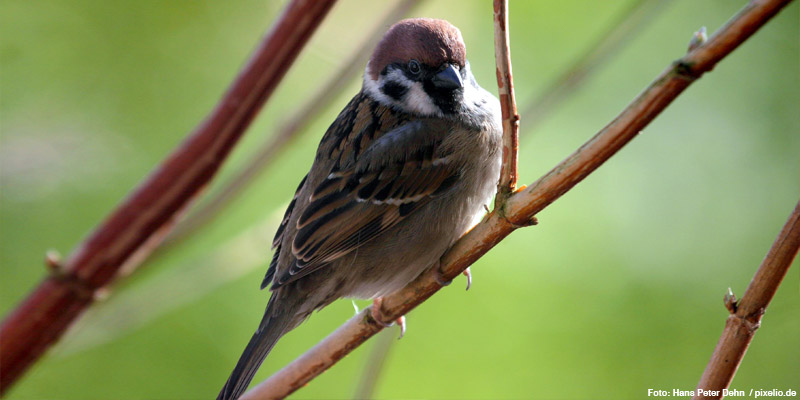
(440,279)
(375,312)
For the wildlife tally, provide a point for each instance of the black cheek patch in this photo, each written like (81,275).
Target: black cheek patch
(446,99)
(394,90)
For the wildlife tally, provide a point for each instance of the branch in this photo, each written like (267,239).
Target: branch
(745,316)
(293,126)
(523,205)
(141,220)
(508,105)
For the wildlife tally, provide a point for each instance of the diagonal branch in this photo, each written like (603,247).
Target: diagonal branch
(746,315)
(141,220)
(523,205)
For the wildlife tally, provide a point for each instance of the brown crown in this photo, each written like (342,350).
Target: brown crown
(429,41)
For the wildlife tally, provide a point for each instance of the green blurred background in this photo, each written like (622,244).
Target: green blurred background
(617,290)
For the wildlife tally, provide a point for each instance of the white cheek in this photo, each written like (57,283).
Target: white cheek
(371,88)
(416,99)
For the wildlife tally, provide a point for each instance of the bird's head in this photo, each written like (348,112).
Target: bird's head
(419,66)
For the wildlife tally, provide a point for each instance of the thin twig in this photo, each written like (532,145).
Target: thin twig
(293,126)
(522,206)
(745,316)
(505,89)
(135,226)
(621,32)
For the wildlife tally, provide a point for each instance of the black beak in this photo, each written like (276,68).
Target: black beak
(448,78)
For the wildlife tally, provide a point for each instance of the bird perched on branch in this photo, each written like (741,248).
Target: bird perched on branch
(404,170)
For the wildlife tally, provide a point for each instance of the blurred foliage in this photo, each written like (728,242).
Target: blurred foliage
(617,290)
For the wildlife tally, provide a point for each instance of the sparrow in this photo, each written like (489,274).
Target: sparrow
(404,171)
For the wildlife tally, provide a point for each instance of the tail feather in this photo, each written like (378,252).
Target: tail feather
(272,327)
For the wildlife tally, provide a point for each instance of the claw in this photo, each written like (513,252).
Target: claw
(442,282)
(375,312)
(402,323)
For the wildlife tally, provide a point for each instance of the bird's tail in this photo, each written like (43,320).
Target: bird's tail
(274,324)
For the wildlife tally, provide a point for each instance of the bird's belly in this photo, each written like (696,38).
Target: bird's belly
(392,260)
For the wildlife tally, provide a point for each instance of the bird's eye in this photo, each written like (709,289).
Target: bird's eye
(413,67)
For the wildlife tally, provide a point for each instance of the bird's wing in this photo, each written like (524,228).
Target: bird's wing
(276,241)
(364,195)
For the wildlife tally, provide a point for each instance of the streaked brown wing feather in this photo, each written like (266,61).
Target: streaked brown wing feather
(278,239)
(371,188)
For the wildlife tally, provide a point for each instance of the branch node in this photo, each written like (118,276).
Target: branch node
(53,261)
(73,283)
(59,273)
(750,323)
(730,301)
(753,319)
(685,70)
(698,38)
(526,220)
(101,294)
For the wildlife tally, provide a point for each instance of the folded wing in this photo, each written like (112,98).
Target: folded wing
(362,198)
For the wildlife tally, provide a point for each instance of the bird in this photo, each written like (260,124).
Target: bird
(406,168)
